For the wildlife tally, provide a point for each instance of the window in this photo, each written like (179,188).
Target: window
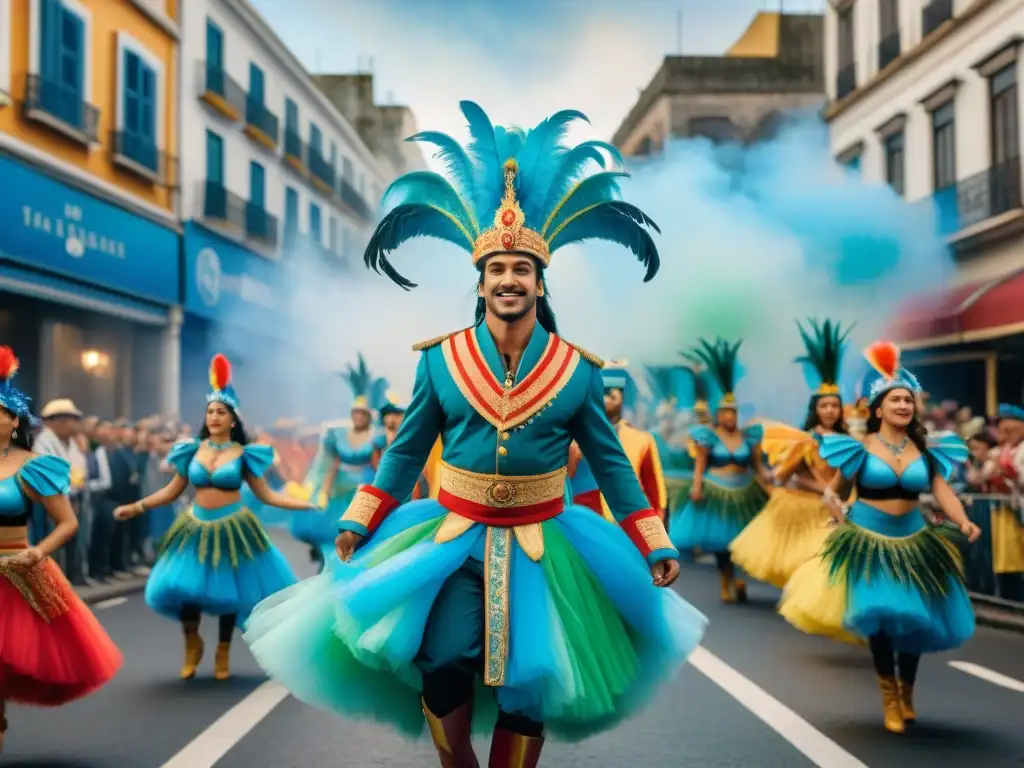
(846,73)
(315,228)
(5,50)
(944,146)
(1003,115)
(894,162)
(214,58)
(316,139)
(138,139)
(888,32)
(346,169)
(333,234)
(62,62)
(214,159)
(256,85)
(291,215)
(291,116)
(257,185)
(334,154)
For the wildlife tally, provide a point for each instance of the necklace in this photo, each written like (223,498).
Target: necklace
(219,446)
(6,451)
(895,450)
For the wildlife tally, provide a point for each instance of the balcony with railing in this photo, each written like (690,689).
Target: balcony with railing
(222,207)
(977,199)
(294,151)
(61,107)
(934,15)
(140,155)
(888,49)
(321,172)
(261,125)
(260,225)
(220,91)
(846,81)
(354,202)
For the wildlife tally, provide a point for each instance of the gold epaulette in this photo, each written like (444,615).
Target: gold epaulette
(590,357)
(422,345)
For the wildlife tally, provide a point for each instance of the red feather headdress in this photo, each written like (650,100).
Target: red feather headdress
(884,357)
(8,364)
(220,373)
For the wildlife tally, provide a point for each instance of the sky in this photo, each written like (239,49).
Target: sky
(519,59)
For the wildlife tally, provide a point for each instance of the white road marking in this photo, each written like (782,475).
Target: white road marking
(230,728)
(988,675)
(109,603)
(808,740)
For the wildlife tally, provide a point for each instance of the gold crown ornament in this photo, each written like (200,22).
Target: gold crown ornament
(508,235)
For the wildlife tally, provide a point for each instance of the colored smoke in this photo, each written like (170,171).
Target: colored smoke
(752,239)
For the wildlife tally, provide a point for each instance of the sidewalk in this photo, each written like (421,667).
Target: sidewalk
(97,593)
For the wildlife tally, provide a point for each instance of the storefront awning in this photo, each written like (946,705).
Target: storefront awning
(977,311)
(57,289)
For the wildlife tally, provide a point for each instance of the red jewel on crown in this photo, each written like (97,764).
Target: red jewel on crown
(508,240)
(508,218)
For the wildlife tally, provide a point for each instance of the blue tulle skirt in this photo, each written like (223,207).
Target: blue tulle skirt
(269,515)
(590,636)
(160,521)
(881,573)
(730,502)
(219,560)
(320,528)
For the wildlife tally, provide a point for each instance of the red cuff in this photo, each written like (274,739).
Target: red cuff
(647,532)
(368,509)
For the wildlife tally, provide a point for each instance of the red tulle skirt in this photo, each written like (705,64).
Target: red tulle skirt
(52,648)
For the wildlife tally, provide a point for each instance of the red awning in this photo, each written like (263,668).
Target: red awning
(973,312)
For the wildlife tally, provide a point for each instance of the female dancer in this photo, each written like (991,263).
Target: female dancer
(52,649)
(885,574)
(726,493)
(795,523)
(343,463)
(216,558)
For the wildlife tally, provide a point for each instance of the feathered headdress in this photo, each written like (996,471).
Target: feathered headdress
(700,389)
(221,390)
(11,398)
(824,343)
(512,191)
(391,403)
(884,357)
(367,391)
(720,360)
(662,381)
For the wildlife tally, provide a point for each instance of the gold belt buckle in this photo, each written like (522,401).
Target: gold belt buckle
(501,493)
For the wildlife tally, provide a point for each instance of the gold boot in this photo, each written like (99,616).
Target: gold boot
(726,588)
(892,714)
(193,654)
(907,702)
(741,590)
(221,662)
(452,736)
(512,750)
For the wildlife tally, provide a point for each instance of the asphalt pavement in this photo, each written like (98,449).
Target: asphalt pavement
(758,694)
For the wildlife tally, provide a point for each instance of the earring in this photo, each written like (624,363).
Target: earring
(14,433)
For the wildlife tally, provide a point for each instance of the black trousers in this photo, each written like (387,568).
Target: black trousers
(891,664)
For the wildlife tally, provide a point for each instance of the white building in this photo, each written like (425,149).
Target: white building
(272,175)
(923,94)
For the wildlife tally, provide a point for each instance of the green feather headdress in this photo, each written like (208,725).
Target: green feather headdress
(367,390)
(512,191)
(720,360)
(824,343)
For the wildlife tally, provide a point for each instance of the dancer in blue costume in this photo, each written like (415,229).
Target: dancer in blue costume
(673,435)
(216,558)
(343,463)
(726,493)
(392,414)
(885,573)
(268,514)
(565,615)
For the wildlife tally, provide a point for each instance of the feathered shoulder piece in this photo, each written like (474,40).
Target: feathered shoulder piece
(11,398)
(512,191)
(824,343)
(884,357)
(720,360)
(221,388)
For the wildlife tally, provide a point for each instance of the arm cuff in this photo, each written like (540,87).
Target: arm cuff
(367,510)
(648,535)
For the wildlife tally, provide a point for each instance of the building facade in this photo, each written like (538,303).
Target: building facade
(775,68)
(923,95)
(275,178)
(89,240)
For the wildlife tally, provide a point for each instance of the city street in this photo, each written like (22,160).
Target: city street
(758,695)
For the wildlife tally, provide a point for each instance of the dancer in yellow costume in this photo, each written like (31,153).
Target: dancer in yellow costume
(793,526)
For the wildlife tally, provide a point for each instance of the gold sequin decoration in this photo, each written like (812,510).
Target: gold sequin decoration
(237,536)
(653,531)
(531,539)
(590,357)
(362,508)
(422,345)
(497,577)
(454,525)
(526,489)
(37,586)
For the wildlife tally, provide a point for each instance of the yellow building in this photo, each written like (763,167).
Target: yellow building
(88,195)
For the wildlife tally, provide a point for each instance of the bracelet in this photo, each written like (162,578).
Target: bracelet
(140,507)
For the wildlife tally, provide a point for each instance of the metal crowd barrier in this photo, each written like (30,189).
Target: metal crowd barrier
(994,564)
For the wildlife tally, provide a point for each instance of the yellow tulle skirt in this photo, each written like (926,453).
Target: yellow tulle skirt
(790,530)
(1007,541)
(816,604)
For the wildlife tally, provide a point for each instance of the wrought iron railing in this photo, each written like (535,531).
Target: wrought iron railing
(355,201)
(293,146)
(228,95)
(64,104)
(258,116)
(223,206)
(320,169)
(260,224)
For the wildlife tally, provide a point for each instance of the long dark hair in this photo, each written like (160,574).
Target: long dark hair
(23,439)
(812,421)
(915,429)
(238,433)
(545,315)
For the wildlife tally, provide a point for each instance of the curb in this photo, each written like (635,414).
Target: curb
(99,593)
(1006,619)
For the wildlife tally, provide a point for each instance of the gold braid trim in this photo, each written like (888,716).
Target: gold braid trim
(422,345)
(239,535)
(590,357)
(37,587)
